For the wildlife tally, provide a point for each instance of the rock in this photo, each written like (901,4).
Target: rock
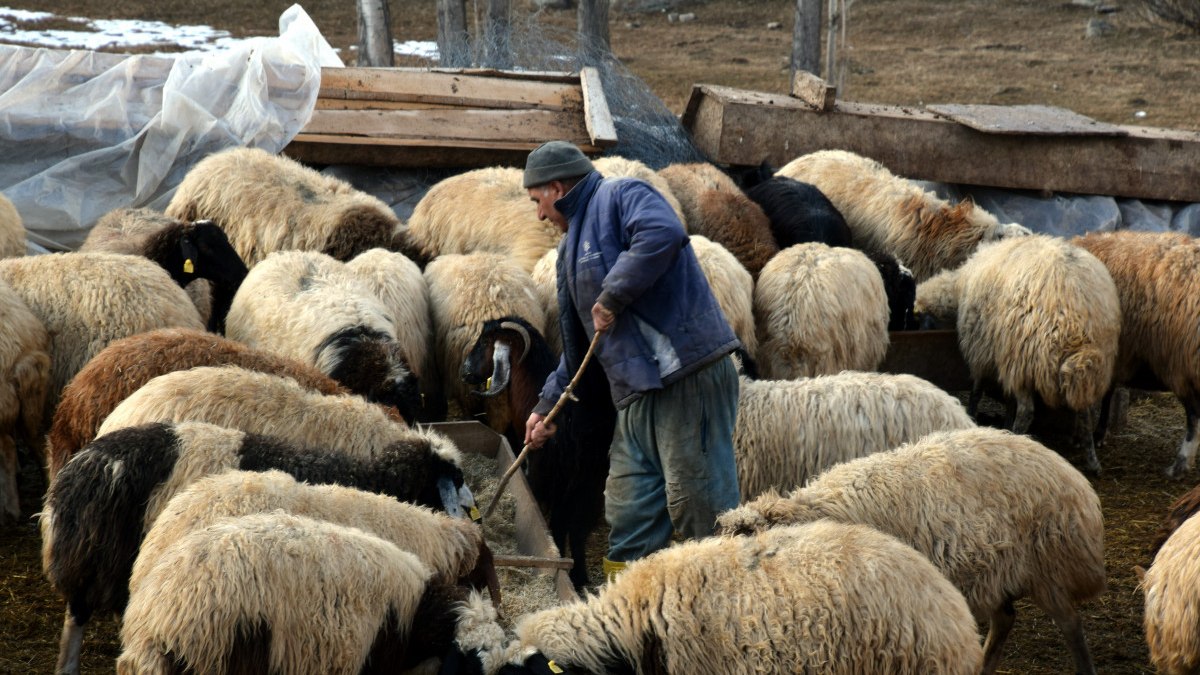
(673,17)
(1099,28)
(774,25)
(687,16)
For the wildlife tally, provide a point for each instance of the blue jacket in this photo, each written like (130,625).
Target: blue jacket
(626,248)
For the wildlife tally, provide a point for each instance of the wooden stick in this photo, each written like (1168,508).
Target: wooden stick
(532,561)
(562,400)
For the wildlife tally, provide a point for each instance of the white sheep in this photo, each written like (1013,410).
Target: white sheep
(275,593)
(788,431)
(1155,278)
(465,291)
(545,278)
(716,208)
(1002,516)
(889,214)
(732,286)
(24,381)
(87,300)
(1172,592)
(12,230)
(825,597)
(819,310)
(268,203)
(307,306)
(484,210)
(399,283)
(614,166)
(1042,318)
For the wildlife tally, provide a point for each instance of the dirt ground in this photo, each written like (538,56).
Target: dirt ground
(901,52)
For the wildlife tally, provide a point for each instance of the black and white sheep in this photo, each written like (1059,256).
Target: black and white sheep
(102,502)
(818,310)
(198,255)
(824,597)
(788,431)
(1002,516)
(894,215)
(278,593)
(268,203)
(1041,317)
(465,291)
(24,381)
(716,208)
(307,306)
(12,230)
(1156,278)
(87,300)
(799,213)
(127,364)
(567,474)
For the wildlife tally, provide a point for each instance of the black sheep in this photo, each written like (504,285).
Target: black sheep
(799,213)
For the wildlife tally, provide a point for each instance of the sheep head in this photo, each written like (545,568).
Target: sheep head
(497,341)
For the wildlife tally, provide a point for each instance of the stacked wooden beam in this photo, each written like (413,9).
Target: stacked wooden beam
(450,118)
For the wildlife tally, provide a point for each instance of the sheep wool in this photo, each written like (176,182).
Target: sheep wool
(1156,279)
(545,278)
(24,381)
(272,593)
(1172,597)
(1042,318)
(1002,516)
(267,203)
(716,208)
(485,210)
(788,431)
(732,286)
(890,214)
(87,300)
(12,230)
(449,547)
(399,283)
(814,598)
(614,166)
(127,364)
(820,310)
(465,291)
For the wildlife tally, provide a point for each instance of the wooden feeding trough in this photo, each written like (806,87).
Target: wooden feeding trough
(534,545)
(423,118)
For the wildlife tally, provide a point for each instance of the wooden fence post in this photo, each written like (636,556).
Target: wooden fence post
(375,34)
(806,37)
(453,49)
(593,28)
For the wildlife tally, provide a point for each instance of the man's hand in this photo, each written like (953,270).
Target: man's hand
(602,318)
(537,433)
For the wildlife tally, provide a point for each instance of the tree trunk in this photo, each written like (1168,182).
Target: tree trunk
(806,37)
(593,29)
(453,49)
(375,34)
(497,50)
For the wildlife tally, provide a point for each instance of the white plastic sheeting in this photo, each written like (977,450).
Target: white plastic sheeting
(82,133)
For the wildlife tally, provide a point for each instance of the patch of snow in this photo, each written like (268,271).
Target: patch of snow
(423,49)
(111,33)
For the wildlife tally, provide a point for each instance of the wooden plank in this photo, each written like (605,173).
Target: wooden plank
(813,91)
(469,90)
(532,75)
(532,561)
(1025,119)
(415,153)
(458,124)
(596,115)
(473,436)
(932,355)
(359,104)
(739,127)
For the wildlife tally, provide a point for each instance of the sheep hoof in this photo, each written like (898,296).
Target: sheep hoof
(1178,469)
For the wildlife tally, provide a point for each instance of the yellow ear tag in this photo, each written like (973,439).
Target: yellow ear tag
(553,667)
(487,385)
(474,513)
(188,268)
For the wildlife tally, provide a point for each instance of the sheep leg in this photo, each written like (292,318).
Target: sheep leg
(69,646)
(1083,436)
(1024,417)
(1187,449)
(1102,421)
(975,397)
(1000,625)
(1072,628)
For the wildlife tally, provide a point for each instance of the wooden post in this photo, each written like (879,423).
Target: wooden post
(497,50)
(593,28)
(806,37)
(375,35)
(453,49)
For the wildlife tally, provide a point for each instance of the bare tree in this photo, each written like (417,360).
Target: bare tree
(806,37)
(375,34)
(452,40)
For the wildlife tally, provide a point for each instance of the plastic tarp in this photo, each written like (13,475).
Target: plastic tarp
(83,133)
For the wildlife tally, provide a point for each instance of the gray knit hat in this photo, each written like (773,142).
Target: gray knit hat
(555,160)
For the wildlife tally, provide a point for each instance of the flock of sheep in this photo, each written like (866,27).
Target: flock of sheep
(227,399)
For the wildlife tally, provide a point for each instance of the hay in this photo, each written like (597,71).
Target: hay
(524,590)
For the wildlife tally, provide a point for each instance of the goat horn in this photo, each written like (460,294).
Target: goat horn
(512,325)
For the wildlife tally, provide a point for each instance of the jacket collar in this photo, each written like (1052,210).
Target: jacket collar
(574,201)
